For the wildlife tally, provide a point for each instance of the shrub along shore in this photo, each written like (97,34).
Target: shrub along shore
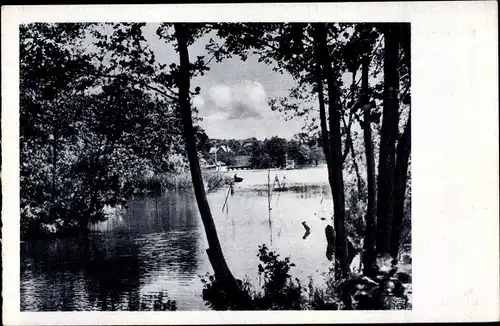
(41,224)
(160,183)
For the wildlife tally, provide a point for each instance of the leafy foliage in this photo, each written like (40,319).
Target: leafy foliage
(389,289)
(90,123)
(278,292)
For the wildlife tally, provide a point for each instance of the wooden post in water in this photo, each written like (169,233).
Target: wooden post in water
(225,201)
(276,179)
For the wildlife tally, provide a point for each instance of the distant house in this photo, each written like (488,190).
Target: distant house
(218,158)
(220,154)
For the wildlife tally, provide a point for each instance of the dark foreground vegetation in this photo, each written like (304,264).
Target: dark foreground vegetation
(389,288)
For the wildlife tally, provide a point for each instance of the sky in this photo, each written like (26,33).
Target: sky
(234,96)
(233,101)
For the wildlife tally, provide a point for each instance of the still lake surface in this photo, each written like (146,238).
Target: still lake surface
(155,250)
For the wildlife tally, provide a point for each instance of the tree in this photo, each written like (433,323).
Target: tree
(316,155)
(184,36)
(276,148)
(49,63)
(404,144)
(392,178)
(299,153)
(316,55)
(402,161)
(89,126)
(371,213)
(337,182)
(259,157)
(388,138)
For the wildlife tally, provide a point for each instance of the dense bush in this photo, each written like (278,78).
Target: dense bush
(388,289)
(278,291)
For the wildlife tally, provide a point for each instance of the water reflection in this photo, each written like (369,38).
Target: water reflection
(120,265)
(112,271)
(78,273)
(149,257)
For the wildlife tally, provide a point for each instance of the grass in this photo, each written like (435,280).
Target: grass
(179,181)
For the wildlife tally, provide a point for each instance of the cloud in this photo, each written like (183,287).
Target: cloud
(244,100)
(241,110)
(250,100)
(273,125)
(221,96)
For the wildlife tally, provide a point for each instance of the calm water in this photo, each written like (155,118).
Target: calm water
(155,250)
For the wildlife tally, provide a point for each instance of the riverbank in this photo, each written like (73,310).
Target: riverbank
(159,183)
(152,185)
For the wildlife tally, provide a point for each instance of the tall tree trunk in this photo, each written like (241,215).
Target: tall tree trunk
(329,232)
(403,155)
(405,30)
(215,254)
(337,182)
(371,213)
(325,139)
(402,152)
(388,141)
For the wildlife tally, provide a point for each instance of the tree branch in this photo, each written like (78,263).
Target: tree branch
(267,44)
(213,57)
(164,93)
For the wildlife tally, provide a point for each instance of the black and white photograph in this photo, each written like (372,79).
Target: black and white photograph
(216,166)
(225,166)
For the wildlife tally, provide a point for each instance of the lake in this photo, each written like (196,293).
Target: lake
(155,250)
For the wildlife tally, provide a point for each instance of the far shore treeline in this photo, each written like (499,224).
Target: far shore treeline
(273,152)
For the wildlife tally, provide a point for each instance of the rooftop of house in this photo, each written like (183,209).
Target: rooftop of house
(215,149)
